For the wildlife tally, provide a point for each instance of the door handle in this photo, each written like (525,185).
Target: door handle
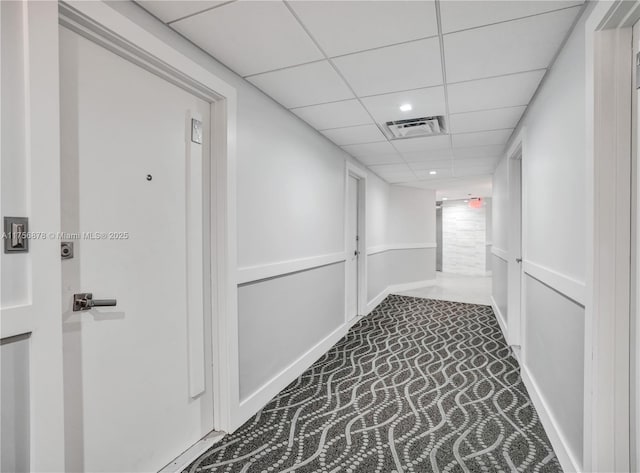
(356,253)
(518,260)
(85,301)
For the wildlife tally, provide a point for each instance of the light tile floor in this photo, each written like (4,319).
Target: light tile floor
(456,288)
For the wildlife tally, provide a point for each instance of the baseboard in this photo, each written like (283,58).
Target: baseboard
(410,286)
(500,318)
(373,303)
(567,460)
(268,391)
(185,459)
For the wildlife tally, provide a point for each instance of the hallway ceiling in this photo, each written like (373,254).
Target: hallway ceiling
(346,67)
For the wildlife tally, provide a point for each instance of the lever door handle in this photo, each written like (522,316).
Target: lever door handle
(518,260)
(85,301)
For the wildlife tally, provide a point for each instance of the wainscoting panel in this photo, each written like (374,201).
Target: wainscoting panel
(553,356)
(280,318)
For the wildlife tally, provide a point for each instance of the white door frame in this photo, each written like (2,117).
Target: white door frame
(361,176)
(515,237)
(39,314)
(102,24)
(607,315)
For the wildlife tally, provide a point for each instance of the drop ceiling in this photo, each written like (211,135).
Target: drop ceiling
(346,67)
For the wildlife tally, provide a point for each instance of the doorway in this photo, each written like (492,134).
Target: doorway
(134,207)
(515,262)
(355,242)
(352,246)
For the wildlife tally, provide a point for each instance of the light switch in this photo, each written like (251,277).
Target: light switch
(15,235)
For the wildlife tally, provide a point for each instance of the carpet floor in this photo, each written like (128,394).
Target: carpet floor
(419,385)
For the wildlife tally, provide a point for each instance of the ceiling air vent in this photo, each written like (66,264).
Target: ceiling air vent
(412,127)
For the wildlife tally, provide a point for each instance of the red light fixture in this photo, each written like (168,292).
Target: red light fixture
(475,203)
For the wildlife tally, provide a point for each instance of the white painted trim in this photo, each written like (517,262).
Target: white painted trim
(567,459)
(565,285)
(516,178)
(181,462)
(282,268)
(264,394)
(16,320)
(394,288)
(608,151)
(360,174)
(501,319)
(399,246)
(113,30)
(500,253)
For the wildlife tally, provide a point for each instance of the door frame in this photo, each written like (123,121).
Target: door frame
(354,171)
(107,27)
(516,238)
(608,36)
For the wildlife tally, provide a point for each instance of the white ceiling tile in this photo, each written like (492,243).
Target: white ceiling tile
(513,46)
(334,115)
(431,165)
(473,171)
(354,135)
(342,27)
(458,15)
(391,168)
(505,91)
(425,102)
(478,152)
(251,36)
(394,68)
(299,86)
(485,120)
(399,178)
(475,162)
(434,156)
(481,138)
(171,10)
(368,149)
(427,143)
(373,159)
(441,174)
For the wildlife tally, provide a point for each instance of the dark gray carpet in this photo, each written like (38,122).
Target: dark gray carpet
(418,386)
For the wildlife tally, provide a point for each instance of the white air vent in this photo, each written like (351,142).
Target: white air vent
(412,127)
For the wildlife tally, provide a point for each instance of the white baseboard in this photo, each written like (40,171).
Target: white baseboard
(373,303)
(188,457)
(500,318)
(268,391)
(567,460)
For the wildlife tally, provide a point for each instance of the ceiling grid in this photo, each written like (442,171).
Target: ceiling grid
(346,67)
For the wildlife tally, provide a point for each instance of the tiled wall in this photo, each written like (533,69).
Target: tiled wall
(463,238)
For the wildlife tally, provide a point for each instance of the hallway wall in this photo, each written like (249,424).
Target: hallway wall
(554,235)
(464,235)
(290,211)
(401,248)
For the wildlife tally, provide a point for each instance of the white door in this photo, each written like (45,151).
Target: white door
(353,252)
(138,392)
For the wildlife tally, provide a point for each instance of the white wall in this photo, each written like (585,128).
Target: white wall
(554,225)
(463,238)
(401,225)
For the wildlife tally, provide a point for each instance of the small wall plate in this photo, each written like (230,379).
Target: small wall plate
(196,131)
(16,230)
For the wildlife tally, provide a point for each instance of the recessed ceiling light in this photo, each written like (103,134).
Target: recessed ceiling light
(466,201)
(444,198)
(406,107)
(433,172)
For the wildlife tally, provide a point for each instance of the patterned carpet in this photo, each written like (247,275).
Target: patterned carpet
(418,386)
